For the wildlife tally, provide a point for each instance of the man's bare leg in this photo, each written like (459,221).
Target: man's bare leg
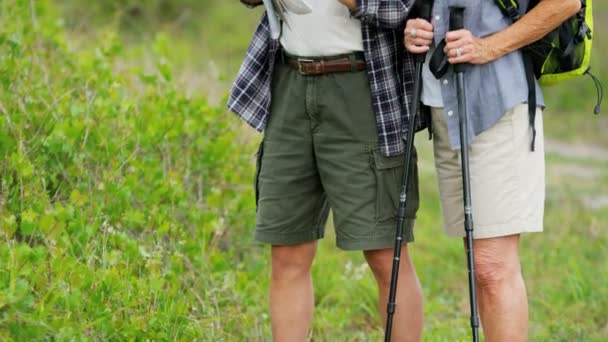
(291,291)
(408,318)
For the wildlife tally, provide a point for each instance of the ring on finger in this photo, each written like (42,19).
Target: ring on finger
(458,52)
(413,33)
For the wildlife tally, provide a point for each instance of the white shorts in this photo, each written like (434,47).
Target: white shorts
(507,178)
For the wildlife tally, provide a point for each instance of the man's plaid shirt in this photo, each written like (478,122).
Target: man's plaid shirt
(390,71)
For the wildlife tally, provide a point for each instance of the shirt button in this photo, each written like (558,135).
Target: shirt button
(450,113)
(437,17)
(445,82)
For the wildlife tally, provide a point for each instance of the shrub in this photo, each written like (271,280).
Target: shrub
(118,196)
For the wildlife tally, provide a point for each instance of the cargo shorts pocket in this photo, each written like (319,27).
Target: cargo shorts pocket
(258,169)
(388,172)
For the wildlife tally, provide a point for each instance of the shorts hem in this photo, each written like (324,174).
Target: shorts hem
(377,242)
(497,231)
(287,239)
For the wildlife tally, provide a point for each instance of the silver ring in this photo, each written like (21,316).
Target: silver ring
(413,33)
(458,52)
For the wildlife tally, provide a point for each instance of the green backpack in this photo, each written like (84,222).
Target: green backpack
(564,53)
(561,55)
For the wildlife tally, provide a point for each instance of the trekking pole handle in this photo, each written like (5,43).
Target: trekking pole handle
(424,11)
(457,23)
(456,18)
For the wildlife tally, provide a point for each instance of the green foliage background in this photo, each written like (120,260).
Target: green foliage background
(126,207)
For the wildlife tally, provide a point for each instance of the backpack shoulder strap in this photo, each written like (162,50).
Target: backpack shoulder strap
(510,8)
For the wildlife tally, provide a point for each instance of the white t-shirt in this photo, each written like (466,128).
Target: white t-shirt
(328,30)
(431,87)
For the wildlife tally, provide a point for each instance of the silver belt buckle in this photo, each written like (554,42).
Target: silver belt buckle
(301,61)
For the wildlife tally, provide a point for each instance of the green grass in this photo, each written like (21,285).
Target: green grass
(126,207)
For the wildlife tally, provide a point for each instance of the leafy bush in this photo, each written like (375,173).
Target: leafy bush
(137,16)
(117,199)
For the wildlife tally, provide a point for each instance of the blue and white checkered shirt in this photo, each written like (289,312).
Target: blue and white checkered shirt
(390,71)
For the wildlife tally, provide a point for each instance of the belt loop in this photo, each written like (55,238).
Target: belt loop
(352,57)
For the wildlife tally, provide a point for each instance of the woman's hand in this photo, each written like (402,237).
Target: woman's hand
(463,47)
(418,35)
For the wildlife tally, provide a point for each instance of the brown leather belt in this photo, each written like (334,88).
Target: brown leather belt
(326,65)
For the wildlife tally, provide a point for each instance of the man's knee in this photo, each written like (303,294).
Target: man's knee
(292,261)
(381,263)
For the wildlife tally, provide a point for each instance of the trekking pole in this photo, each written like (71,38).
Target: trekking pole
(457,23)
(424,11)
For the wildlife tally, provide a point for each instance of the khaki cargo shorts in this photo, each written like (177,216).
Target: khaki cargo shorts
(507,179)
(319,152)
